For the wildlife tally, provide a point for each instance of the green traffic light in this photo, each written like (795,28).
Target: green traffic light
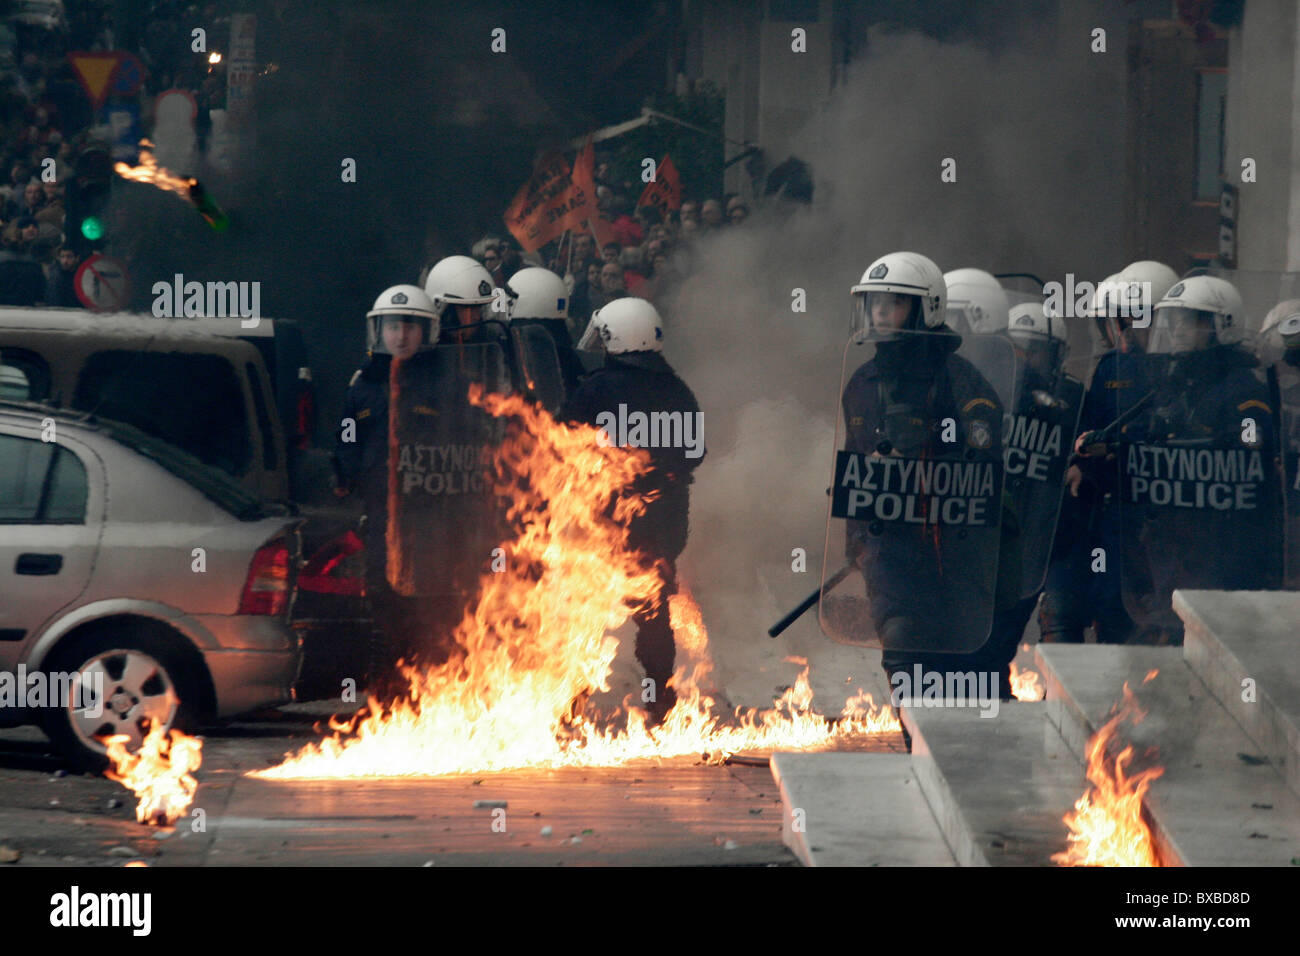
(92,228)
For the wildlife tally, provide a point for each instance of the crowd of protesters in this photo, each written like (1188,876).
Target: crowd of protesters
(649,251)
(47,126)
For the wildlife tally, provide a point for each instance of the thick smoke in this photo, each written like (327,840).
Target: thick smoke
(1039,182)
(442,132)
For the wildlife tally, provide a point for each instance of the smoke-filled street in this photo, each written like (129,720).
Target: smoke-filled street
(684,434)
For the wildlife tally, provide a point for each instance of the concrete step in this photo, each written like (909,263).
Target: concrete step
(1220,801)
(998,786)
(854,809)
(1243,644)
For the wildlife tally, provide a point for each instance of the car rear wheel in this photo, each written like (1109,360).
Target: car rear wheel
(131,680)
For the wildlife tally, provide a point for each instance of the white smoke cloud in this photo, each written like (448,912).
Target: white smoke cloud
(1037,138)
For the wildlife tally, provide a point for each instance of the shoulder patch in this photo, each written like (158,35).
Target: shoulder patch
(424,410)
(1254,403)
(363,413)
(978,434)
(975,402)
(1119,383)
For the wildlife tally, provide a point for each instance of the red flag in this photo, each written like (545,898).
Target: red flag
(665,192)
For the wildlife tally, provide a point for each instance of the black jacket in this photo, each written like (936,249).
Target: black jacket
(646,386)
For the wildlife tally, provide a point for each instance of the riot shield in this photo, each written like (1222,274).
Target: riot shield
(1042,407)
(537,365)
(915,513)
(1201,489)
(1038,433)
(444,516)
(1286,380)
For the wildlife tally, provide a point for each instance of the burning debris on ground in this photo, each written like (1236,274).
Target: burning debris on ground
(537,640)
(1108,826)
(160,772)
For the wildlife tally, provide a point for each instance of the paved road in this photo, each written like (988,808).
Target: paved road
(677,812)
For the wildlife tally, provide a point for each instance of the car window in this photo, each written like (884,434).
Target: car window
(24,376)
(190,400)
(23,465)
(65,501)
(263,418)
(40,483)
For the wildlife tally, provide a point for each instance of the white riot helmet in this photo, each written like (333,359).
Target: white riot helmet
(628,324)
(458,280)
(1133,292)
(539,294)
(1199,302)
(406,303)
(901,273)
(976,300)
(1032,325)
(1157,276)
(1279,336)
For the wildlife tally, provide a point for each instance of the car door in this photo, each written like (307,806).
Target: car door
(51,517)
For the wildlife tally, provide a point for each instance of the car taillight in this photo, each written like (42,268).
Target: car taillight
(320,574)
(266,591)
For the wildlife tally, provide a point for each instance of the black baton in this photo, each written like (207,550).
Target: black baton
(809,601)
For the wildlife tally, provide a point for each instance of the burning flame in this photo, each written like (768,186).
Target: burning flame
(1106,825)
(160,772)
(1026,684)
(150,172)
(538,642)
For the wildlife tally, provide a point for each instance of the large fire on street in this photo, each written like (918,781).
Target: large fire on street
(539,641)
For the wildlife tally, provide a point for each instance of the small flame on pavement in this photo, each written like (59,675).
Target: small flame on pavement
(1026,684)
(1106,825)
(160,773)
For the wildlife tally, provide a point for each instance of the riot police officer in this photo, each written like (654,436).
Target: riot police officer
(400,324)
(932,583)
(637,375)
(1083,586)
(541,298)
(1200,489)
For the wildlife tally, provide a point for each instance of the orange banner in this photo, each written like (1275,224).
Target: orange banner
(665,193)
(552,201)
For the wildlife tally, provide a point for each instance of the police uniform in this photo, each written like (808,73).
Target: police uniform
(362,467)
(1202,403)
(362,464)
(1076,596)
(916,573)
(646,383)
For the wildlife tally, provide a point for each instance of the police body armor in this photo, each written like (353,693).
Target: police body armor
(1201,485)
(917,493)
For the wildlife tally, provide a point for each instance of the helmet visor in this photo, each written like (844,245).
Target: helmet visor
(398,334)
(1178,329)
(591,338)
(881,314)
(1043,353)
(458,315)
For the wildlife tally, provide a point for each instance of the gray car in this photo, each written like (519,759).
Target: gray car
(156,581)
